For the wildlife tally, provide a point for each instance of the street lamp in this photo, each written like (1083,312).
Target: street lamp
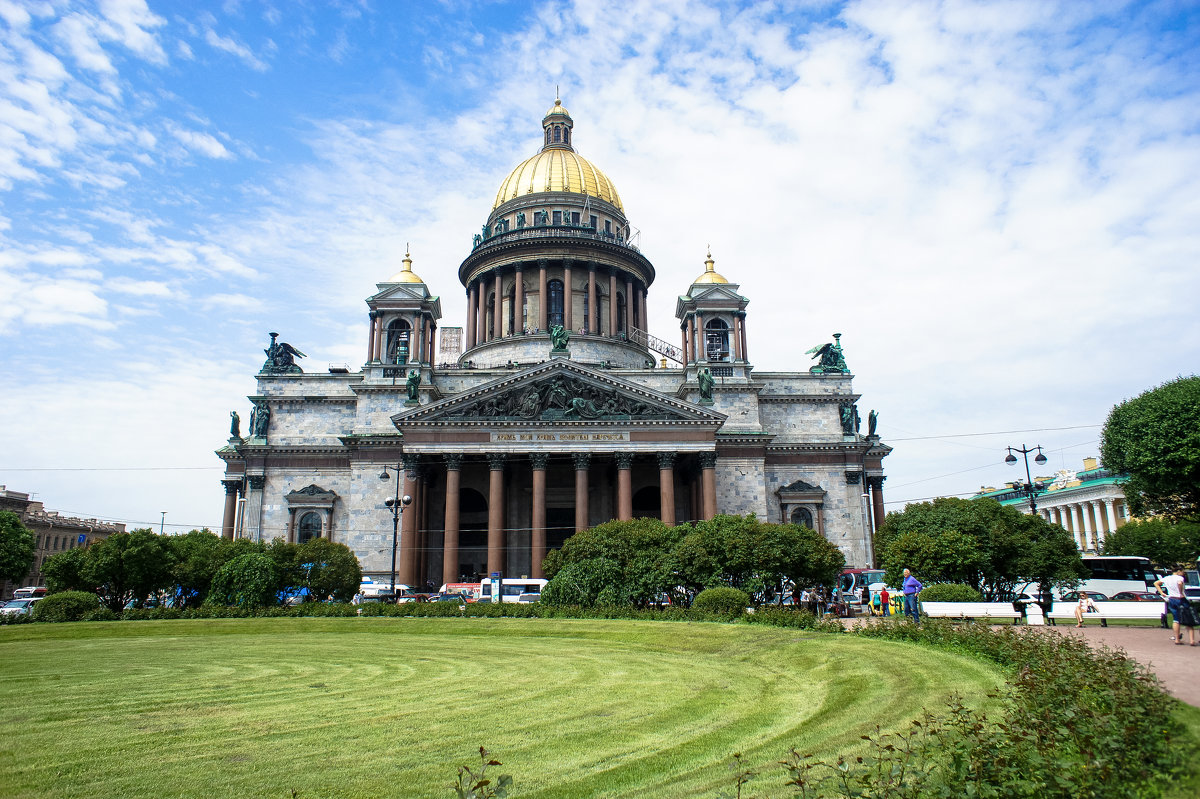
(397,506)
(162,523)
(1029,488)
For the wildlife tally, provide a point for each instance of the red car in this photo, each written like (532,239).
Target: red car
(1137,596)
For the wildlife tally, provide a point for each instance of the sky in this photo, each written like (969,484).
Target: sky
(996,204)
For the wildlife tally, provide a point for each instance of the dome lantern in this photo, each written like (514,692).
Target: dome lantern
(556,127)
(711,275)
(406,274)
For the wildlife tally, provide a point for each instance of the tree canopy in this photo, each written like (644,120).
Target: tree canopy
(641,560)
(17,547)
(1155,439)
(977,542)
(1166,543)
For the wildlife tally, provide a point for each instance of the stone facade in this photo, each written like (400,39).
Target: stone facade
(516,445)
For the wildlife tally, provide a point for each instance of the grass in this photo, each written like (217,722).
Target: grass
(390,707)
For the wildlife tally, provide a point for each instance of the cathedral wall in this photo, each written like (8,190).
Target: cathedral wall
(841,514)
(802,421)
(741,487)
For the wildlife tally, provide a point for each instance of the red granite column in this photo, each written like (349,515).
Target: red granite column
(498,309)
(583,461)
(543,298)
(408,525)
(624,486)
(568,297)
(379,353)
(538,534)
(495,540)
(628,320)
(876,483)
(708,472)
(519,302)
(229,517)
(450,539)
(593,320)
(471,312)
(666,487)
(612,302)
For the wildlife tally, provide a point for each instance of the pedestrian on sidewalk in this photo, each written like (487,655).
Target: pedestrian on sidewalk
(885,601)
(1171,587)
(912,586)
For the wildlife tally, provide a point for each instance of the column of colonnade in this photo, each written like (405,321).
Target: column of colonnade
(479,332)
(412,562)
(1090,521)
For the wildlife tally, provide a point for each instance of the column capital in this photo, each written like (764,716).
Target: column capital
(708,460)
(875,481)
(232,486)
(454,461)
(582,460)
(624,460)
(666,460)
(255,482)
(496,461)
(852,478)
(539,460)
(543,263)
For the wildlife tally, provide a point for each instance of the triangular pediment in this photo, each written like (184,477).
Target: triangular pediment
(716,291)
(401,291)
(560,391)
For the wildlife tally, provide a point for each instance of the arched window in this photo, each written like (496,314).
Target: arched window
(309,527)
(620,312)
(803,517)
(716,340)
(398,336)
(557,133)
(566,135)
(554,311)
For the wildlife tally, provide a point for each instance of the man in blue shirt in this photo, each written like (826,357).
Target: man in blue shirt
(912,587)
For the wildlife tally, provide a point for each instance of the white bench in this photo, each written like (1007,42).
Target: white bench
(970,610)
(1109,610)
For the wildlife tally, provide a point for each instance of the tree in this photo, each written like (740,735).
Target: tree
(1165,543)
(632,559)
(1155,439)
(17,547)
(1049,557)
(64,572)
(128,567)
(195,558)
(251,580)
(331,571)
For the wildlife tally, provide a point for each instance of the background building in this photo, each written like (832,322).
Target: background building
(561,411)
(1089,503)
(54,533)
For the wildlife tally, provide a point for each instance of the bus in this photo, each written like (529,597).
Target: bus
(511,589)
(1110,575)
(853,581)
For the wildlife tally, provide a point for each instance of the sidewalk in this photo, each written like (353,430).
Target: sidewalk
(1178,667)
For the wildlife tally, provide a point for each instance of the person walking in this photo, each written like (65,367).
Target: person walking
(885,601)
(1171,587)
(912,586)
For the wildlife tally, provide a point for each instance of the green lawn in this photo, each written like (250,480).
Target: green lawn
(389,707)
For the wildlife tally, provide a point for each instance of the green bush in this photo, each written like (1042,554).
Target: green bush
(101,614)
(66,606)
(727,602)
(950,592)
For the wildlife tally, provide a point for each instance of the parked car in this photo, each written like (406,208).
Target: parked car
(20,607)
(1136,596)
(449,597)
(1073,596)
(528,598)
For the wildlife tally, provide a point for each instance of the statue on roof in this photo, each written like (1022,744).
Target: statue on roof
(235,425)
(559,336)
(281,358)
(872,420)
(260,420)
(850,418)
(831,359)
(705,378)
(412,384)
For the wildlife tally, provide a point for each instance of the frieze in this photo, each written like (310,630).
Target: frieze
(560,398)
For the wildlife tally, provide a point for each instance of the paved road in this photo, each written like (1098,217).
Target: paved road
(1178,667)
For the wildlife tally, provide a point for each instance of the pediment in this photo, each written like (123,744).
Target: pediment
(560,391)
(310,494)
(800,487)
(401,291)
(716,291)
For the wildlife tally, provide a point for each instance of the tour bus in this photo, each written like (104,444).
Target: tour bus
(854,580)
(1110,575)
(511,589)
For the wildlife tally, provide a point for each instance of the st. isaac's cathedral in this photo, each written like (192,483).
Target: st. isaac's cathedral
(558,410)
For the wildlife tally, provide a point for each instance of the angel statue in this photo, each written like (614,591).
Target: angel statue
(281,358)
(559,336)
(831,360)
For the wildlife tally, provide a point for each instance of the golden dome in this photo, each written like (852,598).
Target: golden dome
(558,108)
(557,170)
(710,274)
(406,274)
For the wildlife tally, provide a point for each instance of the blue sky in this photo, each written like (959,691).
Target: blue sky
(997,205)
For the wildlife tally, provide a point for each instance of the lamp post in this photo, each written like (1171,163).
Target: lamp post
(397,506)
(1029,488)
(162,523)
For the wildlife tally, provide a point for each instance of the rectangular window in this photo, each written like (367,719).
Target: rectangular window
(592,222)
(608,226)
(558,217)
(574,217)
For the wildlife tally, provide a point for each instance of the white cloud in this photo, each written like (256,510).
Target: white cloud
(235,48)
(199,142)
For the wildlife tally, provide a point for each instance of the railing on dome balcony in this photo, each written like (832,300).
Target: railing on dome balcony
(650,342)
(557,231)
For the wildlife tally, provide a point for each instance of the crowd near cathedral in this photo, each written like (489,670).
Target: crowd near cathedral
(552,409)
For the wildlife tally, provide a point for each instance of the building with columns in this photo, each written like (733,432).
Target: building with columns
(1088,503)
(562,411)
